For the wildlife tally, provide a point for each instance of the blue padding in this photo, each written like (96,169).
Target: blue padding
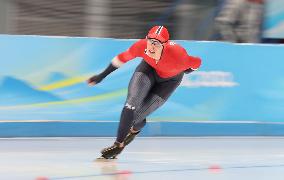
(103,129)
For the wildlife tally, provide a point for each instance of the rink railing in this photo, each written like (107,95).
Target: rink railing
(108,129)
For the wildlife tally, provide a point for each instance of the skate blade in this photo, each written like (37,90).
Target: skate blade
(103,159)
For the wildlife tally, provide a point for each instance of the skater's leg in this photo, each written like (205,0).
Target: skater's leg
(155,99)
(133,133)
(138,125)
(152,102)
(140,84)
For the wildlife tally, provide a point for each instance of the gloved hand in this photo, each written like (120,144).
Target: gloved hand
(98,78)
(94,80)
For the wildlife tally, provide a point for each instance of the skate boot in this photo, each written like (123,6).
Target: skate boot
(112,151)
(129,137)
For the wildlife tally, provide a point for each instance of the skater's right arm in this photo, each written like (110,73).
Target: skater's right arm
(134,51)
(99,77)
(117,62)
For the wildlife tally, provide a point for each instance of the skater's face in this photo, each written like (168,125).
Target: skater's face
(154,48)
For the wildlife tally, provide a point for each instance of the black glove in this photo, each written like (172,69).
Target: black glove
(98,78)
(188,71)
(95,79)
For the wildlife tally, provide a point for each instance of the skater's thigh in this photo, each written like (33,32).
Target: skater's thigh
(164,89)
(158,95)
(140,84)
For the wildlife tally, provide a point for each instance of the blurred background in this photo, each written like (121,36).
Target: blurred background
(227,20)
(42,78)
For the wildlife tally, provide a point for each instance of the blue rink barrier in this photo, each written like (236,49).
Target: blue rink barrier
(108,129)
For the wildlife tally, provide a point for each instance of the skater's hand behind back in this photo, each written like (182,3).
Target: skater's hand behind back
(188,71)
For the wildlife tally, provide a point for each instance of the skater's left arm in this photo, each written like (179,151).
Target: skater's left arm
(189,63)
(192,63)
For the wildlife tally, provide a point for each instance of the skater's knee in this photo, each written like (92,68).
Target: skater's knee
(130,106)
(133,102)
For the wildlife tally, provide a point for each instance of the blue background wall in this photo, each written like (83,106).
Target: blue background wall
(237,91)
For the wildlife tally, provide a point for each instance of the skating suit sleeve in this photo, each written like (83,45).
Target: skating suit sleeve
(186,61)
(134,51)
